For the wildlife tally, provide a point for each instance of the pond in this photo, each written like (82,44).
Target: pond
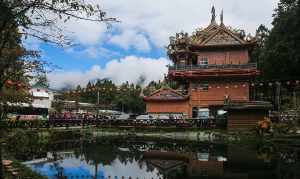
(122,157)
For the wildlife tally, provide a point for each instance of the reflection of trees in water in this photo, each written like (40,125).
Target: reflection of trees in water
(289,163)
(56,166)
(271,151)
(286,157)
(26,145)
(96,152)
(100,151)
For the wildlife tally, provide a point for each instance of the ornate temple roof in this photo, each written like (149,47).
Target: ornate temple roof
(217,35)
(166,94)
(213,35)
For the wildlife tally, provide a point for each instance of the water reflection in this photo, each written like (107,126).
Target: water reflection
(141,158)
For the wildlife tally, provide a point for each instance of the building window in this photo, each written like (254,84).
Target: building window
(182,62)
(203,86)
(194,86)
(203,61)
(203,113)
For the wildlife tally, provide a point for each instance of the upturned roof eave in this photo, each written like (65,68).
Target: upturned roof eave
(199,46)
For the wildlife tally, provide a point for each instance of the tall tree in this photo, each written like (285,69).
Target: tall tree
(17,66)
(39,19)
(257,55)
(281,54)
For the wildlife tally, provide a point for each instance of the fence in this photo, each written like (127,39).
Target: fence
(212,66)
(138,123)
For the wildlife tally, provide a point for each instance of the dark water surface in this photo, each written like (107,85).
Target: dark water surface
(115,157)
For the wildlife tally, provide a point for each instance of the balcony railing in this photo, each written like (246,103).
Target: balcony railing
(212,66)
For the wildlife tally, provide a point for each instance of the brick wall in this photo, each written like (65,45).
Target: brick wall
(168,107)
(238,91)
(226,57)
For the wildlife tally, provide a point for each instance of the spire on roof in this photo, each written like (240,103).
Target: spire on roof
(222,17)
(213,15)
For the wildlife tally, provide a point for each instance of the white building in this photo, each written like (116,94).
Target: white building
(42,97)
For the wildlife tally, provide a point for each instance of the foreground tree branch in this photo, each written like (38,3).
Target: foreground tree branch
(40,19)
(35,16)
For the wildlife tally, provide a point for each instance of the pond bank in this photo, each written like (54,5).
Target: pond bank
(200,135)
(193,134)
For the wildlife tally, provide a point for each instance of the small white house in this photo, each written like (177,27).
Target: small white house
(42,97)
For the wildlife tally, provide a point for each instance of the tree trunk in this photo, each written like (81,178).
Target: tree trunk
(1,167)
(96,170)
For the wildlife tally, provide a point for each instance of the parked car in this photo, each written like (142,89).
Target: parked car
(144,119)
(123,119)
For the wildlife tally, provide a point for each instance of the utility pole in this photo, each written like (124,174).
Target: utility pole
(98,97)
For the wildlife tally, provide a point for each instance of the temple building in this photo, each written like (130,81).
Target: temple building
(213,71)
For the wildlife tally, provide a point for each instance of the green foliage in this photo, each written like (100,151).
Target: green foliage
(25,145)
(280,53)
(40,19)
(129,99)
(126,98)
(17,65)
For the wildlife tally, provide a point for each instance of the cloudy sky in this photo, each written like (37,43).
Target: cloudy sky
(136,46)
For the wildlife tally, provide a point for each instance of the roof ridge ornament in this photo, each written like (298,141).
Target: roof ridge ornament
(213,15)
(222,17)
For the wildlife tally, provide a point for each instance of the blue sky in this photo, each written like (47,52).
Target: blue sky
(80,58)
(135,47)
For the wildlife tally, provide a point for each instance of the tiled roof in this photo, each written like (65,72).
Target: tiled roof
(166,94)
(216,34)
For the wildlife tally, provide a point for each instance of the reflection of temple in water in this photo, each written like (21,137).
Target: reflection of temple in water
(236,163)
(183,159)
(190,164)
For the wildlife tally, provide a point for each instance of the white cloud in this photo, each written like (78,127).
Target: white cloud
(86,32)
(144,21)
(161,19)
(131,39)
(130,69)
(93,52)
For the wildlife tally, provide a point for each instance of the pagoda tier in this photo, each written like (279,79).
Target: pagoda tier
(213,52)
(213,71)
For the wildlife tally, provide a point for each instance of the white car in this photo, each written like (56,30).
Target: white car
(143,119)
(164,117)
(123,117)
